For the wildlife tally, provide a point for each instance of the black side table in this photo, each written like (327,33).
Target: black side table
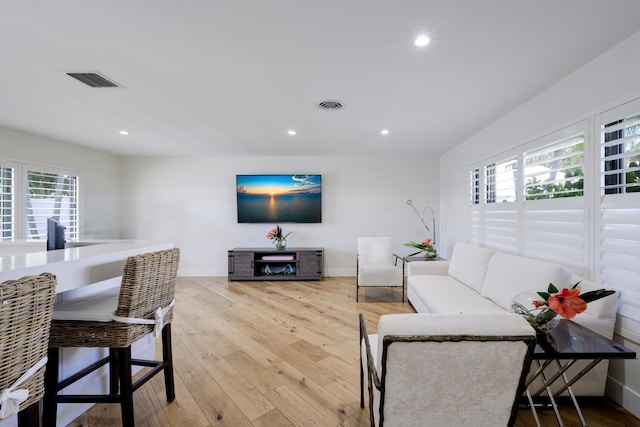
(421,258)
(565,344)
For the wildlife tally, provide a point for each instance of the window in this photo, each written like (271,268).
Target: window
(7,202)
(555,170)
(500,181)
(618,233)
(476,208)
(550,222)
(29,194)
(475,186)
(498,221)
(581,204)
(621,155)
(50,195)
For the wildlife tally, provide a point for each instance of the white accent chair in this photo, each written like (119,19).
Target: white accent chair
(377,265)
(445,369)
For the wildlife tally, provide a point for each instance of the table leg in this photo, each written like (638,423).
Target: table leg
(546,388)
(533,408)
(568,383)
(555,376)
(554,405)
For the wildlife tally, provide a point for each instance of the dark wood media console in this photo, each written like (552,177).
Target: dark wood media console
(275,264)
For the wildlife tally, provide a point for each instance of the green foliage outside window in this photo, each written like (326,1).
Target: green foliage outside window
(42,184)
(572,186)
(632,178)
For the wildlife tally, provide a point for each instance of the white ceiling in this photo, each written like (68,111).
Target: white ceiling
(205,77)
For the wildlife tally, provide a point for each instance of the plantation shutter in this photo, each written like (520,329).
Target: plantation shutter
(475,212)
(7,201)
(554,218)
(50,194)
(618,265)
(501,229)
(554,231)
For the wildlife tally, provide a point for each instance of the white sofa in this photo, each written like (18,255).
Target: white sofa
(478,279)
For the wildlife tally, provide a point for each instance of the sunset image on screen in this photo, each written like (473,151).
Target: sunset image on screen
(279,198)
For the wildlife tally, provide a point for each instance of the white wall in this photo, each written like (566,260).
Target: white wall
(605,82)
(99,188)
(192,202)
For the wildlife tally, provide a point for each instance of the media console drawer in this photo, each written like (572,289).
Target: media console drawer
(275,264)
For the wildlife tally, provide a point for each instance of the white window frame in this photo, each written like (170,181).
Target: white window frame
(601,229)
(71,217)
(9,198)
(492,186)
(527,227)
(617,238)
(21,169)
(533,170)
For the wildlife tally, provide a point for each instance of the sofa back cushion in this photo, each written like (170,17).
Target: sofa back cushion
(509,275)
(469,264)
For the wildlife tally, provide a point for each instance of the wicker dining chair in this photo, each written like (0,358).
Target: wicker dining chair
(142,306)
(26,305)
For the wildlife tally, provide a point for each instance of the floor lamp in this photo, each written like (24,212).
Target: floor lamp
(433,215)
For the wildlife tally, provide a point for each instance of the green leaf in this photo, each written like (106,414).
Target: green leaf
(552,289)
(576,285)
(544,295)
(595,295)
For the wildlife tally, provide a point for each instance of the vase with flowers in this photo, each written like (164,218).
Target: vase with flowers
(541,309)
(425,246)
(277,236)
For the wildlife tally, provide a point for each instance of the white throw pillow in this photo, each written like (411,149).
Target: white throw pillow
(604,307)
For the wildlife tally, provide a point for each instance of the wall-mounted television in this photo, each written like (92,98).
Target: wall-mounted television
(279,198)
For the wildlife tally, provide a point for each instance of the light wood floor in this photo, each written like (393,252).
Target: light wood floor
(279,354)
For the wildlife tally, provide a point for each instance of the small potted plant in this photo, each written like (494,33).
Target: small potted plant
(541,309)
(278,237)
(426,246)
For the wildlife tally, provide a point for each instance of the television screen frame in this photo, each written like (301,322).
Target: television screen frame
(279,198)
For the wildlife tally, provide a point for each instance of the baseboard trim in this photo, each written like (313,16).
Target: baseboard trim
(623,396)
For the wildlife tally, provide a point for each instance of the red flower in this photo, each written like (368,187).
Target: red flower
(567,303)
(427,241)
(537,303)
(271,233)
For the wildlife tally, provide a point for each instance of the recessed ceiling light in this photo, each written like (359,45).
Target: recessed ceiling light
(422,40)
(384,131)
(291,132)
(124,132)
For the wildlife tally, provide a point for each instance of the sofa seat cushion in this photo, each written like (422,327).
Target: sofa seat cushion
(444,294)
(370,275)
(469,264)
(430,268)
(98,307)
(508,275)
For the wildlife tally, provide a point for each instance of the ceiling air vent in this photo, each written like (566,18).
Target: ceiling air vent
(93,79)
(330,105)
